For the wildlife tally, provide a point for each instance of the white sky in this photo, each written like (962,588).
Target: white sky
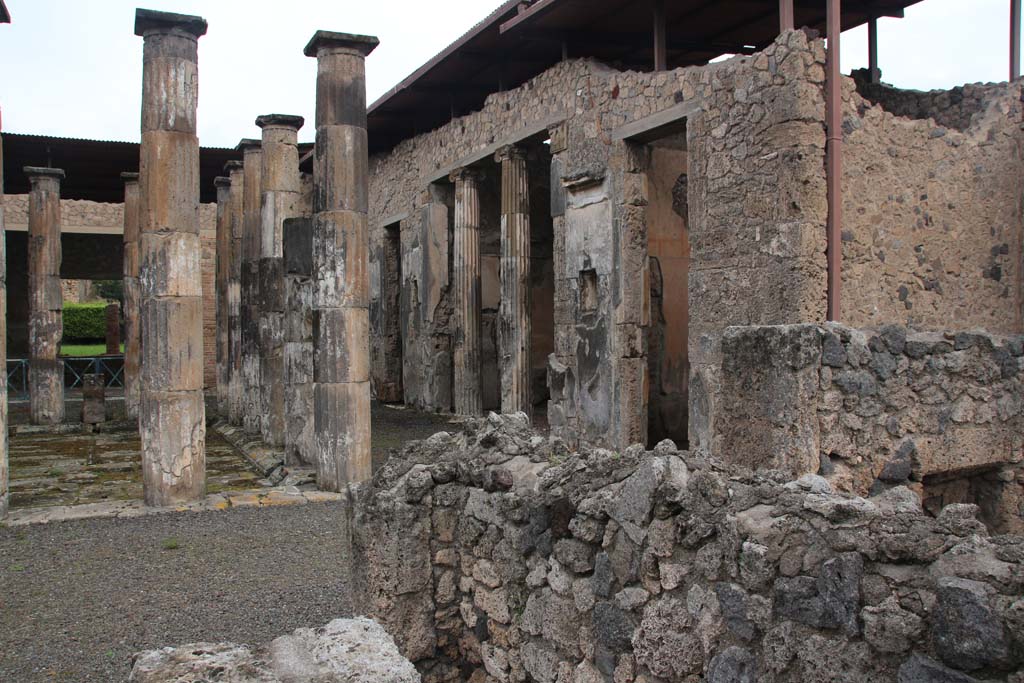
(73,68)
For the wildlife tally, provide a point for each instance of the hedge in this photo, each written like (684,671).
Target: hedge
(85,322)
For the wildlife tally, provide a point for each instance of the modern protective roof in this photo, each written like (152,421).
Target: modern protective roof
(94,167)
(521,39)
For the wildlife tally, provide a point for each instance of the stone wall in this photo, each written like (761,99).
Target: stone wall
(932,224)
(956,108)
(76,215)
(942,414)
(756,141)
(496,556)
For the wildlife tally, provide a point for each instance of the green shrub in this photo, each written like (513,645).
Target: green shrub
(83,322)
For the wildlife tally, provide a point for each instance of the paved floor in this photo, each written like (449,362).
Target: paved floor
(49,469)
(77,599)
(76,469)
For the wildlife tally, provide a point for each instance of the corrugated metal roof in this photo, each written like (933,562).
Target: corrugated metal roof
(94,167)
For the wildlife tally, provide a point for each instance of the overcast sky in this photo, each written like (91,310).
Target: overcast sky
(73,67)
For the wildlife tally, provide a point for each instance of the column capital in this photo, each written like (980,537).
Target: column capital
(130,178)
(221,181)
(280,121)
(249,145)
(233,165)
(510,153)
(349,42)
(148,21)
(34,172)
(465,173)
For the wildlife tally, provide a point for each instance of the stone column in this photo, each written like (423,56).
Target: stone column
(3,345)
(249,280)
(341,261)
(236,399)
(299,441)
(45,299)
(468,398)
(113,331)
(514,326)
(132,297)
(172,415)
(281,194)
(223,266)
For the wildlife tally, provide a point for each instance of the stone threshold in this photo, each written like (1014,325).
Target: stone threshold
(74,428)
(267,460)
(127,509)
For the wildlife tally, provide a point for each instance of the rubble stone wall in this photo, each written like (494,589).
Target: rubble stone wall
(956,108)
(940,413)
(496,556)
(85,215)
(932,223)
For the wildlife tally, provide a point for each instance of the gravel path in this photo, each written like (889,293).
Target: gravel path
(77,599)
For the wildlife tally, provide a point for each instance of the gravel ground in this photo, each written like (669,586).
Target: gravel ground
(77,599)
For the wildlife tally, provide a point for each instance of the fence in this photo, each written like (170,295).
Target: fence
(112,367)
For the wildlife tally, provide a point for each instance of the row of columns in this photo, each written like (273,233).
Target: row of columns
(514,322)
(260,197)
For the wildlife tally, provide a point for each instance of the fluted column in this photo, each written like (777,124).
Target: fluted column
(341,261)
(45,300)
(468,398)
(514,326)
(132,296)
(172,415)
(250,278)
(223,266)
(281,194)
(236,396)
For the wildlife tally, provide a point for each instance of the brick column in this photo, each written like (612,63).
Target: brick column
(113,328)
(172,415)
(45,299)
(249,280)
(3,345)
(281,194)
(466,360)
(341,261)
(132,298)
(223,267)
(514,326)
(236,219)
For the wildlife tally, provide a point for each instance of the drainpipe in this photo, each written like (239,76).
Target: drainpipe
(834,158)
(1014,39)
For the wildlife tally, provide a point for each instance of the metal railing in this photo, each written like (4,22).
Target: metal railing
(75,368)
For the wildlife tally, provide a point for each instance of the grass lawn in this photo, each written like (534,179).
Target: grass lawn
(85,349)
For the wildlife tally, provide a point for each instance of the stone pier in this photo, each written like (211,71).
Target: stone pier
(236,398)
(280,197)
(341,263)
(514,325)
(466,361)
(3,347)
(252,155)
(45,299)
(299,441)
(223,267)
(132,296)
(172,416)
